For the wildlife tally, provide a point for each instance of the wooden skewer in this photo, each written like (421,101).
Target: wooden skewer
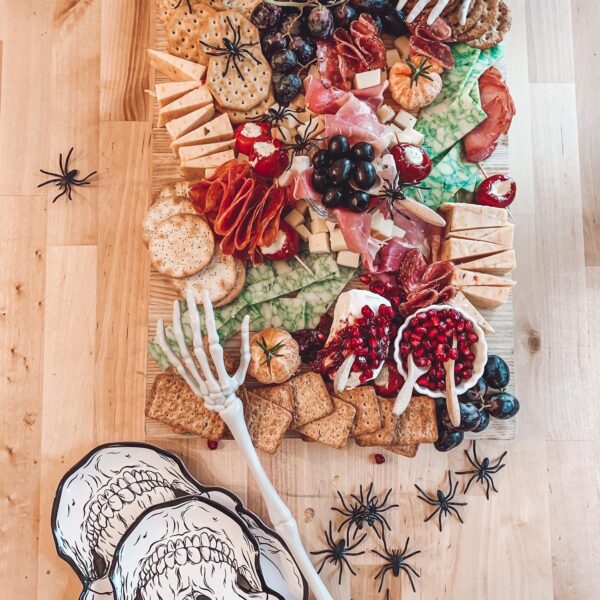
(452,405)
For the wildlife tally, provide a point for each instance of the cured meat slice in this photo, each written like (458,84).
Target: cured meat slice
(434,49)
(366,38)
(497,103)
(439,30)
(332,67)
(411,271)
(356,61)
(417,301)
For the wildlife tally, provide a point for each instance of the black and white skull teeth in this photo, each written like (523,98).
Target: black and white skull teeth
(131,484)
(189,549)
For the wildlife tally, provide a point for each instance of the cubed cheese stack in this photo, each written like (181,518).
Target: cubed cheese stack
(479,240)
(322,236)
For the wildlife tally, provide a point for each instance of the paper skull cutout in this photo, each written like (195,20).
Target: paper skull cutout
(189,549)
(102,495)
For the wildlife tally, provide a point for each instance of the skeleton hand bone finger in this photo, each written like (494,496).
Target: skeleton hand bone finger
(436,11)
(240,374)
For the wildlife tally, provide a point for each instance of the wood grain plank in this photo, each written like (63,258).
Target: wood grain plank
(74,108)
(68,405)
(126,34)
(22,275)
(122,283)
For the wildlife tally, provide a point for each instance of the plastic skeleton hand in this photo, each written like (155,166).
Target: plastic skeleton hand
(436,11)
(218,392)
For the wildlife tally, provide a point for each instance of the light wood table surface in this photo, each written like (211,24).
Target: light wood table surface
(73,309)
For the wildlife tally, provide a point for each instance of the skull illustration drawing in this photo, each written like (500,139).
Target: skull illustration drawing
(189,549)
(102,496)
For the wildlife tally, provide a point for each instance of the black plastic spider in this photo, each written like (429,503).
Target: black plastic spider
(483,471)
(444,502)
(304,143)
(365,509)
(178,4)
(337,552)
(234,50)
(277,116)
(396,562)
(393,192)
(67,178)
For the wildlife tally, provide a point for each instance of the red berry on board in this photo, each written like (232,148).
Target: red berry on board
(379,459)
(212,444)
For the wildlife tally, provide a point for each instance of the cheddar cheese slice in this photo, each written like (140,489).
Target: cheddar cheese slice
(188,153)
(497,264)
(168,92)
(179,127)
(472,216)
(459,301)
(198,166)
(457,249)
(185,105)
(462,278)
(486,296)
(496,235)
(217,130)
(175,68)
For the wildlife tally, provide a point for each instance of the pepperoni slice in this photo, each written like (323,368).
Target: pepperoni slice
(411,270)
(332,66)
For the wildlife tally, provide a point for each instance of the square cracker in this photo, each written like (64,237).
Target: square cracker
(334,429)
(174,403)
(408,451)
(183,29)
(418,423)
(282,395)
(385,435)
(368,416)
(267,422)
(311,399)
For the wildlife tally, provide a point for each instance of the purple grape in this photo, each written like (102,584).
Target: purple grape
(305,51)
(266,16)
(344,14)
(320,22)
(272,42)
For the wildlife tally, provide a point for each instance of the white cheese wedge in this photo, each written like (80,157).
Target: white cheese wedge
(405,120)
(198,166)
(318,243)
(185,105)
(382,228)
(398,232)
(396,131)
(459,301)
(301,207)
(496,264)
(411,136)
(188,153)
(385,113)
(489,297)
(217,130)
(345,258)
(179,127)
(338,243)
(462,277)
(314,215)
(367,79)
(318,226)
(496,235)
(166,93)
(294,218)
(392,57)
(457,249)
(460,216)
(175,68)
(282,267)
(210,172)
(303,231)
(331,225)
(403,46)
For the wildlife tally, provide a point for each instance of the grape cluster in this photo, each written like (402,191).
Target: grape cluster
(487,399)
(289,35)
(343,174)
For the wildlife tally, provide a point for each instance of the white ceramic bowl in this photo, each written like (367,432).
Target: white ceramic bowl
(480,350)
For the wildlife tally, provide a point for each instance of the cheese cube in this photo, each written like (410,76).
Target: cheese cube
(402,45)
(318,226)
(384,75)
(294,218)
(337,241)
(405,120)
(281,267)
(345,258)
(301,207)
(382,228)
(303,232)
(385,113)
(314,215)
(397,232)
(396,131)
(411,136)
(392,57)
(318,243)
(367,79)
(330,225)
(209,172)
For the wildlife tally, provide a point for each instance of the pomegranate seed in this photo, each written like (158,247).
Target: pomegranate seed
(212,444)
(419,352)
(377,287)
(460,326)
(432,385)
(422,380)
(406,335)
(422,316)
(365,278)
(473,337)
(453,354)
(355,367)
(363,379)
(404,348)
(354,331)
(432,334)
(379,459)
(467,373)
(367,311)
(468,325)
(421,362)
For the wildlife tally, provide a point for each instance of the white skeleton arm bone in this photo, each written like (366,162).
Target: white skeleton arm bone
(436,11)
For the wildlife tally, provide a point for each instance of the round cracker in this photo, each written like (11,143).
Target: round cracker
(182,245)
(240,281)
(218,277)
(163,209)
(486,21)
(239,116)
(475,14)
(495,35)
(183,30)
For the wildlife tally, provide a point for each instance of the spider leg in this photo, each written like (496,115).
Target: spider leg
(494,470)
(453,510)
(59,175)
(410,579)
(343,501)
(428,500)
(440,519)
(426,496)
(405,546)
(450,484)
(317,552)
(348,565)
(329,533)
(357,543)
(69,192)
(85,180)
(477,466)
(381,555)
(469,483)
(497,465)
(322,565)
(385,569)
(411,555)
(67,160)
(475,452)
(452,493)
(487,488)
(64,191)
(379,572)
(49,182)
(432,514)
(491,480)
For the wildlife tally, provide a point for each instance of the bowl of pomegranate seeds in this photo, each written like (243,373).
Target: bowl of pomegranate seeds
(435,335)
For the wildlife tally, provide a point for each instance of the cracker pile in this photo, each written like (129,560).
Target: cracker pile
(305,405)
(182,247)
